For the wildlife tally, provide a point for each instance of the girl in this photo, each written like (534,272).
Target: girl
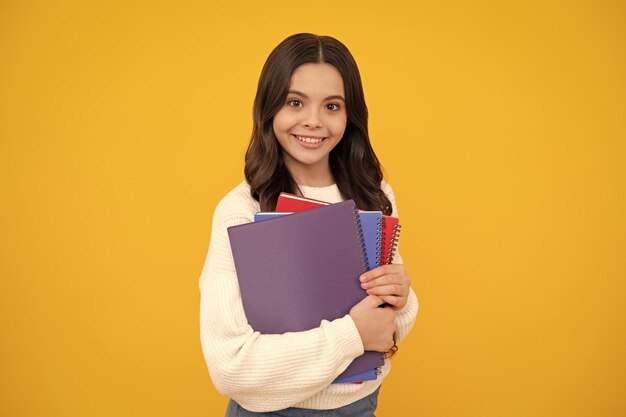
(310,138)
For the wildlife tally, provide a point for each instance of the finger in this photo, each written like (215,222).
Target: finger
(384,280)
(393,300)
(377,272)
(392,289)
(372,301)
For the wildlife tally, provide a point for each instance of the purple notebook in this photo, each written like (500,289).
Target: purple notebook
(297,270)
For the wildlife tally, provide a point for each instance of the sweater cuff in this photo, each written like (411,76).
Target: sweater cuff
(350,342)
(405,317)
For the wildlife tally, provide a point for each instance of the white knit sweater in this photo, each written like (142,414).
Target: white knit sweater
(265,372)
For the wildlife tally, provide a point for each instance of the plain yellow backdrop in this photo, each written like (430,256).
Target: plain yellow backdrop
(500,125)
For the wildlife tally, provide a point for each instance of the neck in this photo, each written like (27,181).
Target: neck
(318,175)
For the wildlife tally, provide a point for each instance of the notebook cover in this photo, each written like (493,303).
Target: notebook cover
(298,270)
(369,375)
(371,225)
(390,235)
(295,203)
(290,202)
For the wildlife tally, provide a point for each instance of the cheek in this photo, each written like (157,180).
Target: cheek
(280,127)
(339,126)
(281,123)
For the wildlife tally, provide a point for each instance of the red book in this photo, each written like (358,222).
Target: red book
(390,232)
(291,202)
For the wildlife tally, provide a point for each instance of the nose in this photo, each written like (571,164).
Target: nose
(312,118)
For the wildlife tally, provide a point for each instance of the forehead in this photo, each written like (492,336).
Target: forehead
(318,78)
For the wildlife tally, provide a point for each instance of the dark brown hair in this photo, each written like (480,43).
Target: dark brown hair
(353,163)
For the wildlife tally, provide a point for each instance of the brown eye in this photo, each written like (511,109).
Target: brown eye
(294,103)
(333,107)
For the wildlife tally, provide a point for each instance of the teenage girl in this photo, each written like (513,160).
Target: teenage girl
(310,137)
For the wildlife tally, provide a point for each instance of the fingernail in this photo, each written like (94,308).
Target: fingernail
(361,278)
(364,284)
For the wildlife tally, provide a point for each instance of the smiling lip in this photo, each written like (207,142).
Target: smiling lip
(310,142)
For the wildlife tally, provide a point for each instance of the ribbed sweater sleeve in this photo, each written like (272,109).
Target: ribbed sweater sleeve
(262,372)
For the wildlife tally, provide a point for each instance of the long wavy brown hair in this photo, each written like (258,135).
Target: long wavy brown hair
(353,163)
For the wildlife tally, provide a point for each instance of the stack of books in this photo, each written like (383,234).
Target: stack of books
(301,265)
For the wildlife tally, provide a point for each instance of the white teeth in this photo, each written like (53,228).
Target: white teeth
(306,139)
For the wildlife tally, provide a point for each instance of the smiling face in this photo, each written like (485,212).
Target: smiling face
(312,121)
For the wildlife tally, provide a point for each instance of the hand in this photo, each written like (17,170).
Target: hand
(389,282)
(376,325)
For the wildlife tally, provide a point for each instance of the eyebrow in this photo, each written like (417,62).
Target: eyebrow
(327,98)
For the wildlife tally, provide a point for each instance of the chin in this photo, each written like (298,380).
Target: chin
(309,161)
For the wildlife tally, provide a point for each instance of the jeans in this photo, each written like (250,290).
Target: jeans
(365,407)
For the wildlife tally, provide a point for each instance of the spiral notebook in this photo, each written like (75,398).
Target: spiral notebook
(390,225)
(371,226)
(298,270)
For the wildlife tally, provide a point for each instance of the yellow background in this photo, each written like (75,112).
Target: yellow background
(500,125)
